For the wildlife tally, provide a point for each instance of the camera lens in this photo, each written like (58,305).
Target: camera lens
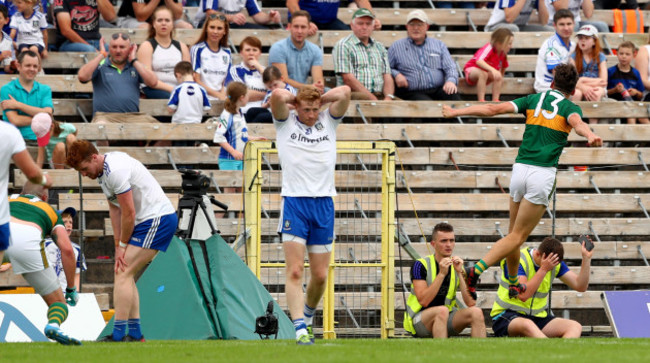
(262,321)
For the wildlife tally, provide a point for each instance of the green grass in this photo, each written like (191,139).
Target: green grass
(341,350)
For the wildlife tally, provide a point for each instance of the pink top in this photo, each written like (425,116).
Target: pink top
(490,56)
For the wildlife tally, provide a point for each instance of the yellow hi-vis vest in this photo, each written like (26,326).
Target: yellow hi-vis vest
(538,303)
(413,305)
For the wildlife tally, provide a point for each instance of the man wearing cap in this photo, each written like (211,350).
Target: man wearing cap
(324,13)
(361,62)
(422,66)
(22,98)
(555,50)
(514,15)
(296,57)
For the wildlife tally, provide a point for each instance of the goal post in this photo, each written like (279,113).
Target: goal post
(359,297)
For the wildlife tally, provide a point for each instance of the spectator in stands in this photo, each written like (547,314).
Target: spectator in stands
(624,83)
(431,309)
(249,72)
(211,57)
(32,219)
(296,57)
(135,13)
(234,12)
(435,78)
(54,255)
(642,64)
(161,52)
(527,315)
(7,54)
(188,100)
(143,220)
(323,14)
(77,24)
(29,27)
(591,64)
(11,10)
(574,6)
(59,136)
(615,4)
(555,50)
(488,65)
(116,82)
(232,133)
(23,98)
(273,79)
(514,15)
(361,62)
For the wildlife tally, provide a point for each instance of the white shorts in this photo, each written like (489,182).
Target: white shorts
(27,248)
(535,183)
(310,248)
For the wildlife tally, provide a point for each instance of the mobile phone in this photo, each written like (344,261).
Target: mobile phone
(588,244)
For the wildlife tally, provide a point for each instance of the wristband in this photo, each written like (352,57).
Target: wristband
(71,289)
(122,244)
(43,180)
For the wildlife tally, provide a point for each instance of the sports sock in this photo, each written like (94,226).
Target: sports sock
(480,267)
(134,328)
(119,329)
(308,312)
(57,313)
(301,327)
(513,280)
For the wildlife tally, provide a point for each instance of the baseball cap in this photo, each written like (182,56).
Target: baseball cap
(70,210)
(588,30)
(361,12)
(417,15)
(41,125)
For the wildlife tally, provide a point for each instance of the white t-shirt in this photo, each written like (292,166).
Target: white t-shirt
(53,254)
(552,53)
(7,44)
(189,100)
(123,173)
(307,155)
(212,66)
(29,31)
(499,15)
(163,61)
(252,78)
(574,7)
(12,143)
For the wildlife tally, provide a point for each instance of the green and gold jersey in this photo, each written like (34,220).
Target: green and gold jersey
(32,209)
(547,127)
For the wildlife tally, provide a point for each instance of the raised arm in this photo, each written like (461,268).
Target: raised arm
(85,73)
(339,98)
(583,130)
(490,109)
(279,100)
(548,264)
(580,281)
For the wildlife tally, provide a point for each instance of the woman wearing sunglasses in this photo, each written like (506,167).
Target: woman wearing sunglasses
(211,57)
(160,53)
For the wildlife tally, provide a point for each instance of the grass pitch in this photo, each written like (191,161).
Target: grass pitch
(340,350)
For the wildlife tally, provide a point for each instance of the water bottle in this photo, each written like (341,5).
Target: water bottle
(626,95)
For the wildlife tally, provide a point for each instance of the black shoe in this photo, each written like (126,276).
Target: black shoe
(109,339)
(515,290)
(129,339)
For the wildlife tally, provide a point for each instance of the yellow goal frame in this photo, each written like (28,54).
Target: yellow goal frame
(252,183)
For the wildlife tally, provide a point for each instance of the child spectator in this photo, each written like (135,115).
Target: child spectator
(591,64)
(624,83)
(188,100)
(272,79)
(53,252)
(232,133)
(29,27)
(63,134)
(489,64)
(6,44)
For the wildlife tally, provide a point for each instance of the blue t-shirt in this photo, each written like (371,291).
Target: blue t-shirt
(590,69)
(298,61)
(116,90)
(321,11)
(39,96)
(631,79)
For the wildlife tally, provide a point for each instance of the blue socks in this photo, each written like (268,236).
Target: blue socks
(134,328)
(119,329)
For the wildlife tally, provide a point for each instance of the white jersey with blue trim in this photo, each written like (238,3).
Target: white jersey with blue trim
(123,173)
(53,254)
(213,66)
(190,101)
(307,155)
(29,30)
(552,53)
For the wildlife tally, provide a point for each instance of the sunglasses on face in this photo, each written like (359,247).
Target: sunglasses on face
(217,16)
(120,35)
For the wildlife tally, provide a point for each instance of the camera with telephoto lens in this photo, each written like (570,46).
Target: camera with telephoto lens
(194,183)
(267,324)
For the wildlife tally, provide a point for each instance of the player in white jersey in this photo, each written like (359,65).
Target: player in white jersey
(306,139)
(143,220)
(12,148)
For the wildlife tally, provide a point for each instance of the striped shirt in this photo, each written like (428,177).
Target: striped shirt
(368,63)
(425,66)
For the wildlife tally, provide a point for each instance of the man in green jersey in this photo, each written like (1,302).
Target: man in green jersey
(550,116)
(31,220)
